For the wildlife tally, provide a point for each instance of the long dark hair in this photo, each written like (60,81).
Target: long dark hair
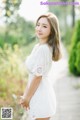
(54,37)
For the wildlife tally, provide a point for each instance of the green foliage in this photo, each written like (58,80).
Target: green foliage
(13,73)
(74,60)
(3,88)
(10,7)
(63,12)
(25,29)
(66,38)
(10,60)
(21,32)
(78,57)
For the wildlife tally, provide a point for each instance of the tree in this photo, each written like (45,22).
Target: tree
(10,8)
(73,14)
(74,60)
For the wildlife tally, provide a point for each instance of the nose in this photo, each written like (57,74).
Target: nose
(39,28)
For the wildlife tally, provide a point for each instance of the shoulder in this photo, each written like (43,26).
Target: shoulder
(34,48)
(43,48)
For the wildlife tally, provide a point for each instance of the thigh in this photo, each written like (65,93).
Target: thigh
(48,118)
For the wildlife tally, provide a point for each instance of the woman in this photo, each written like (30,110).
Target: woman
(39,97)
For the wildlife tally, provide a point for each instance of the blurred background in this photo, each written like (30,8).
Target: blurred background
(17,39)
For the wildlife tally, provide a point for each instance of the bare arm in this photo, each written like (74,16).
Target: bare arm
(29,92)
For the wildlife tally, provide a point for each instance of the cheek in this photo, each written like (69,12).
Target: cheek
(48,31)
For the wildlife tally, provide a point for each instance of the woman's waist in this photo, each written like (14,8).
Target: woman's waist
(43,76)
(45,80)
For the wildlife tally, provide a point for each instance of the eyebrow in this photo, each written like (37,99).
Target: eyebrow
(42,23)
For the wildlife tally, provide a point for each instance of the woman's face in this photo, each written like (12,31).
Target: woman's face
(43,29)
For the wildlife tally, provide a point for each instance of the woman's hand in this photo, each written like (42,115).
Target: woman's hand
(24,102)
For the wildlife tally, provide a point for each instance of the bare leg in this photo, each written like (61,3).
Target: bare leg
(48,118)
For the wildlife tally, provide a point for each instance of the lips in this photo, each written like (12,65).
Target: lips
(40,34)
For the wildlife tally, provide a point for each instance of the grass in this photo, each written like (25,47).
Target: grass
(13,76)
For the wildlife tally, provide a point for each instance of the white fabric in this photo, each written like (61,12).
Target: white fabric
(43,102)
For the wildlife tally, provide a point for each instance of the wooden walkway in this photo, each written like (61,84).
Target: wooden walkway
(67,93)
(68,99)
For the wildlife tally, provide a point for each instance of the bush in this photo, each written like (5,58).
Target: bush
(78,57)
(74,60)
(13,74)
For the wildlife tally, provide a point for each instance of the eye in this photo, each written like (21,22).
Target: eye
(45,26)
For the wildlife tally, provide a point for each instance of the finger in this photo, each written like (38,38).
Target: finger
(23,105)
(28,108)
(21,101)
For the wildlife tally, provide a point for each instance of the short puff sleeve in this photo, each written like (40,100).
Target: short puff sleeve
(40,63)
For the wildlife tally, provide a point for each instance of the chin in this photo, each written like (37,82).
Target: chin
(40,37)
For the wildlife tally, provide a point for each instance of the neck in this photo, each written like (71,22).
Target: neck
(42,41)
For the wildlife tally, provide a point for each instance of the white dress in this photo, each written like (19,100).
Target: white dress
(43,102)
